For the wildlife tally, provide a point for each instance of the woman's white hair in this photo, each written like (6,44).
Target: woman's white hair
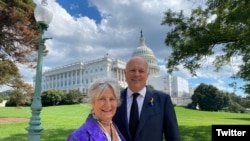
(99,85)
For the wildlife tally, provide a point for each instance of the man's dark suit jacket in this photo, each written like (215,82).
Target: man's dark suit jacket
(157,119)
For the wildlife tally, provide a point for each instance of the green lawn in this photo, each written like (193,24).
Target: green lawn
(59,121)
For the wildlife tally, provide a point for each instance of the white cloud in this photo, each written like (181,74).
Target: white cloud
(118,32)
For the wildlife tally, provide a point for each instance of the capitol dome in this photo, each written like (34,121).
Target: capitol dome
(142,50)
(145,52)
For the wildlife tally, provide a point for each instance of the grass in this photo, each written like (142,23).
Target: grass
(59,121)
(196,125)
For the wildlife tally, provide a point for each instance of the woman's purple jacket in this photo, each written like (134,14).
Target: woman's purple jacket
(90,131)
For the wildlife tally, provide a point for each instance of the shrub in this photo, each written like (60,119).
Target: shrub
(73,97)
(52,97)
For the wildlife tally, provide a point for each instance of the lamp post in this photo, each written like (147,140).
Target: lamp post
(43,16)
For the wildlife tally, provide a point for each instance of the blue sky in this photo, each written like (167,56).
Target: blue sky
(83,30)
(78,8)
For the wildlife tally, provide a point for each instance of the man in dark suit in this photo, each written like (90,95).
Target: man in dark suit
(157,119)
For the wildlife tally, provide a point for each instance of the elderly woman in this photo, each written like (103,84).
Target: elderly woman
(104,97)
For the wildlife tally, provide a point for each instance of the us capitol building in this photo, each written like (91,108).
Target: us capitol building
(79,75)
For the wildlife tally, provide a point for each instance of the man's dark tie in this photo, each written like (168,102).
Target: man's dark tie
(134,116)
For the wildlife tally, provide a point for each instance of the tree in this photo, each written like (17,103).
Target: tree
(52,97)
(10,76)
(223,24)
(235,107)
(209,98)
(246,102)
(17,98)
(18,34)
(8,72)
(74,96)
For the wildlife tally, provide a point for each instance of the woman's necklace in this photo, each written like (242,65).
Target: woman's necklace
(110,126)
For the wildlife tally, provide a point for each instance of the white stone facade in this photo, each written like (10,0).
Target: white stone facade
(79,75)
(173,85)
(179,87)
(3,103)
